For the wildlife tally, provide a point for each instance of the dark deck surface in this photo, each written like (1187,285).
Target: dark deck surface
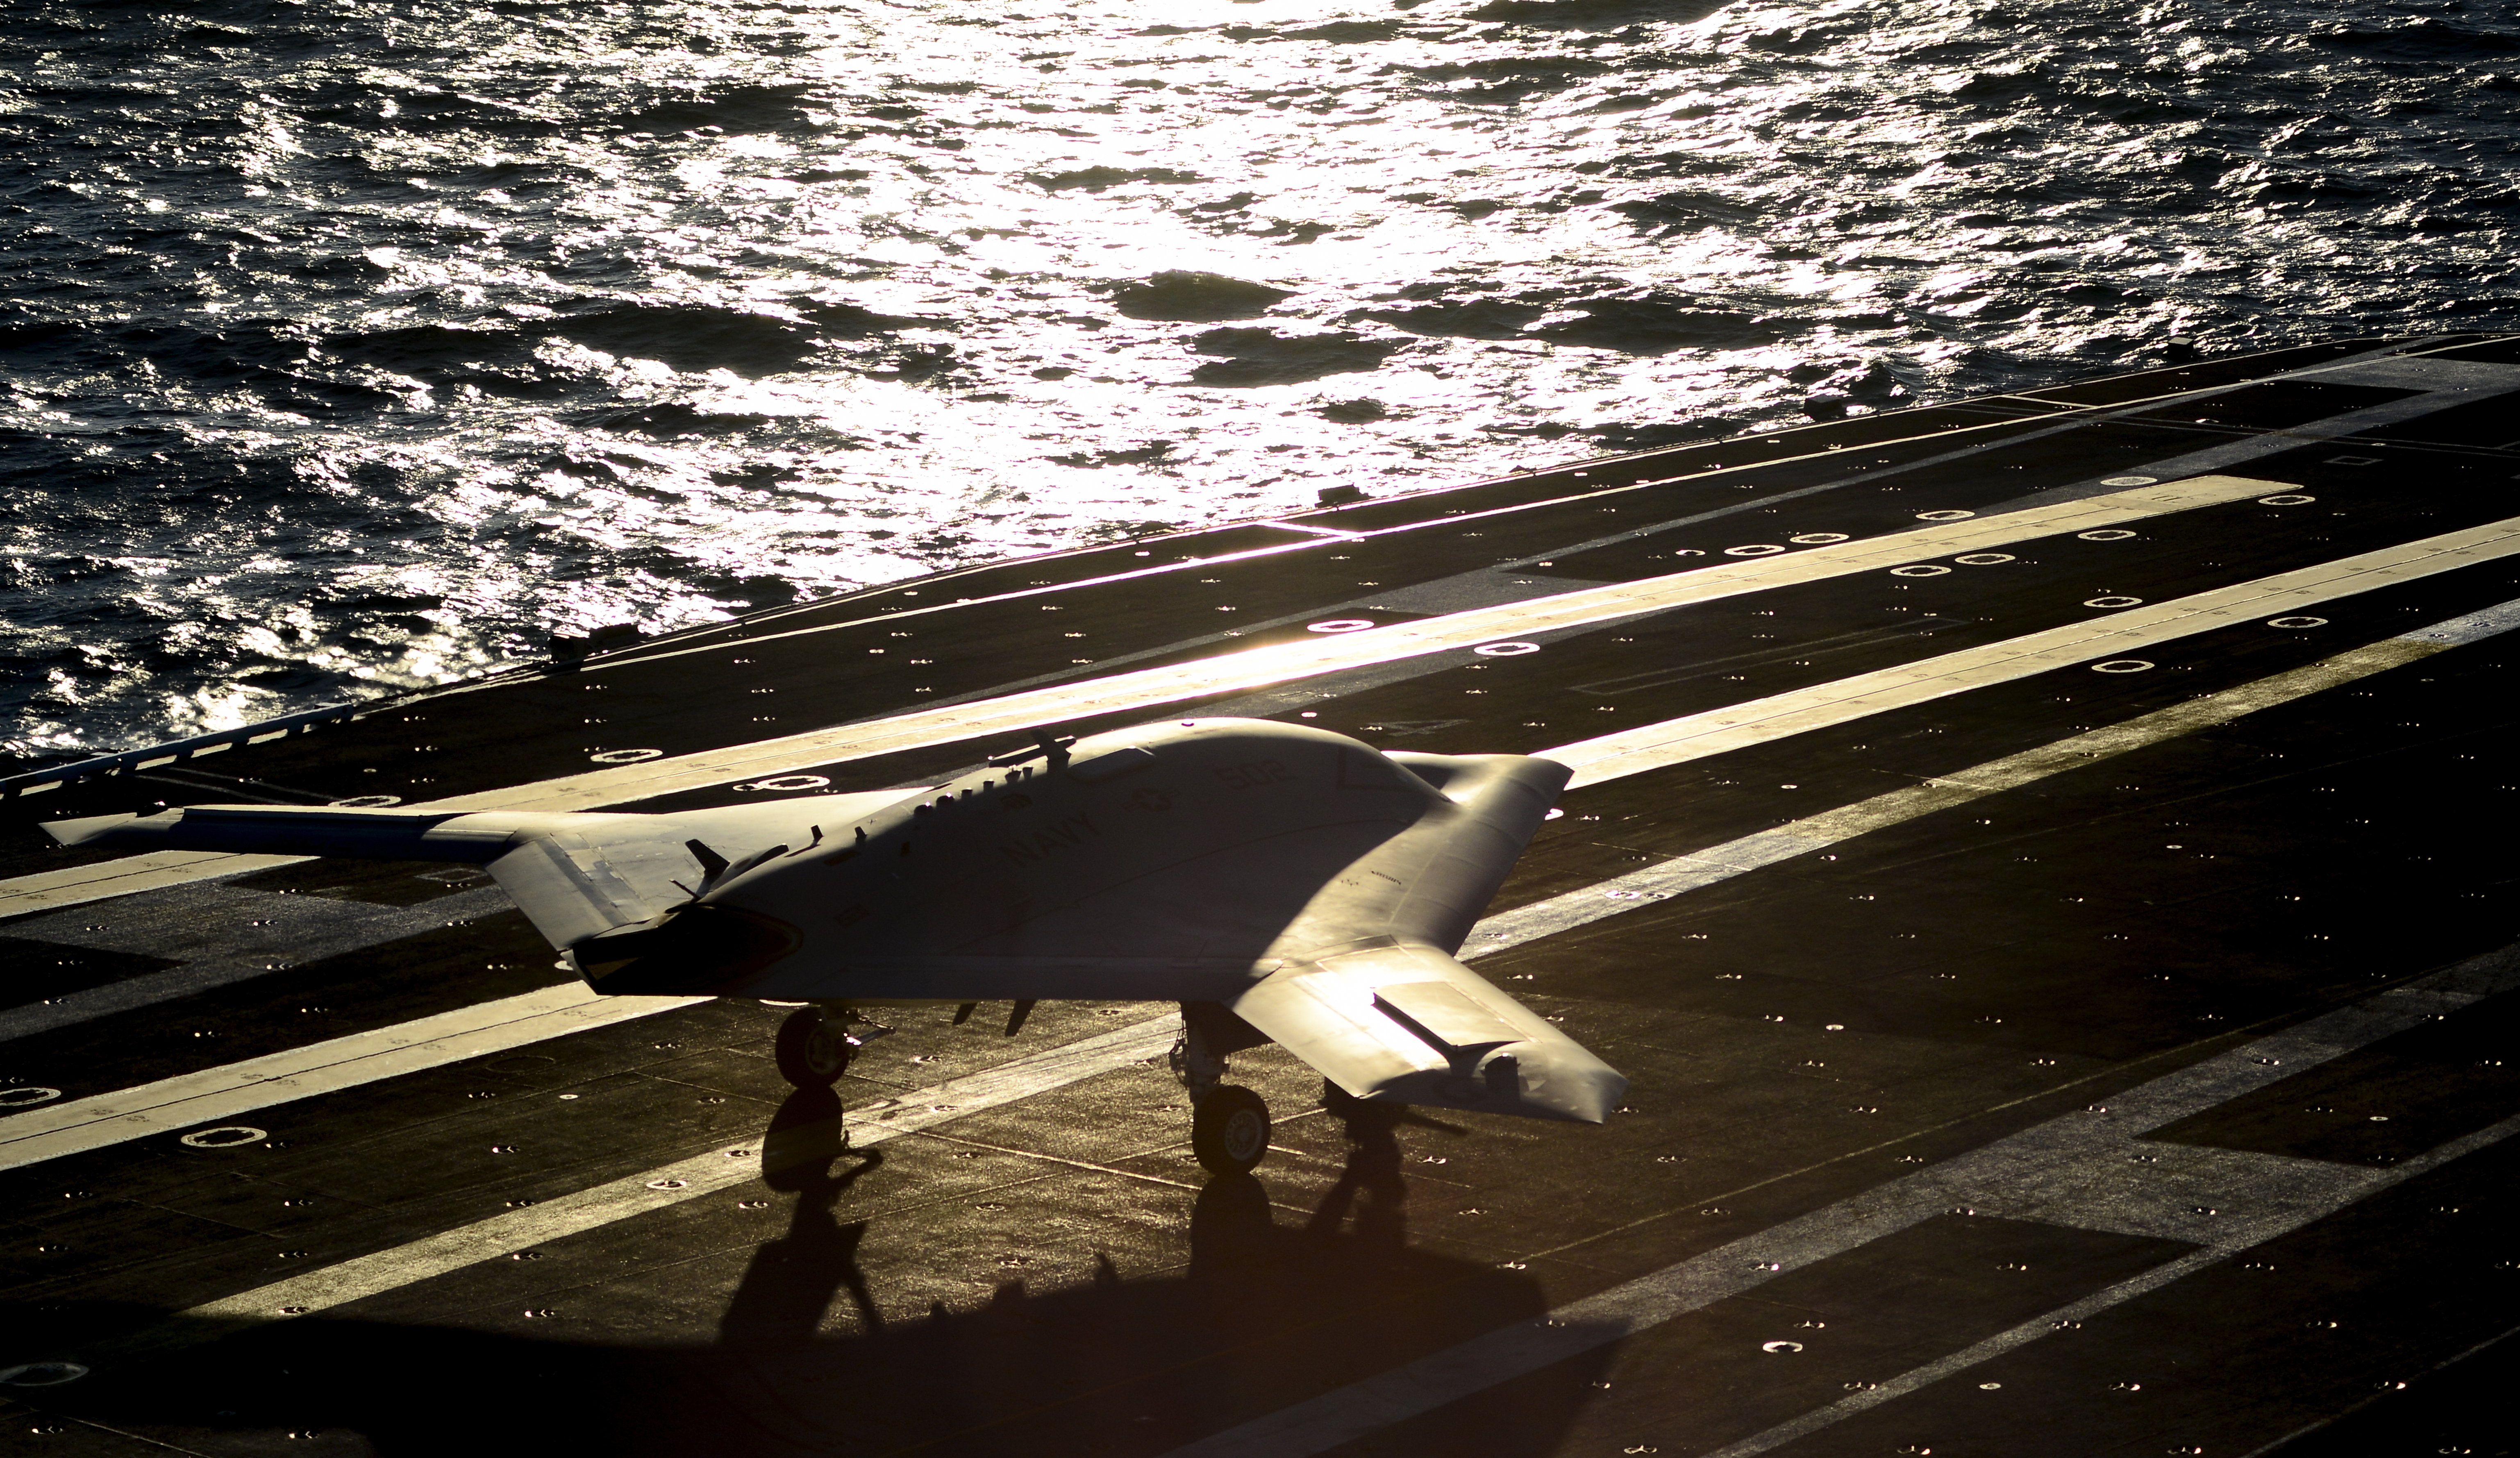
(2120,1109)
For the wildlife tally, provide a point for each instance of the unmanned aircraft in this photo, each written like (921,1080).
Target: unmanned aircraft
(1280,883)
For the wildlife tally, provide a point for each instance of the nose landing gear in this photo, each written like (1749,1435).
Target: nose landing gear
(1228,1124)
(812,1048)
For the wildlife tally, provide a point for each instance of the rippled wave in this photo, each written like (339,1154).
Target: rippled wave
(360,346)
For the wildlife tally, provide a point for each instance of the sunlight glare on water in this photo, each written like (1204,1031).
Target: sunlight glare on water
(362,346)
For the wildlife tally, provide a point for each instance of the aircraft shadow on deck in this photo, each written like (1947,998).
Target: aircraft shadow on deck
(1264,1314)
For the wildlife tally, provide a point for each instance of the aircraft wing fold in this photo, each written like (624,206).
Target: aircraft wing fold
(1405,1023)
(569,892)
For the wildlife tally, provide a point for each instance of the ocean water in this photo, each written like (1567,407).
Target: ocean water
(352,348)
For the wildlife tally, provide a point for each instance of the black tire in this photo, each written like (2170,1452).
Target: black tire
(813,1050)
(1229,1130)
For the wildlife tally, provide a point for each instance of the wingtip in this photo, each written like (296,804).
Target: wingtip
(81,832)
(1587,1095)
(1564,1086)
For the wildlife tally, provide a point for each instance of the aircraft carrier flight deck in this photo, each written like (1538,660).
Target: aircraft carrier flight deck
(2040,862)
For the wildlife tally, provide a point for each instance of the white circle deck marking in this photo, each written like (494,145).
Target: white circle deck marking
(1945,515)
(26,1096)
(626,756)
(1339,625)
(1755,549)
(2121,666)
(1918,569)
(2296,622)
(2114,602)
(2104,534)
(1781,1348)
(1506,649)
(225,1137)
(1985,558)
(41,1374)
(2129,480)
(2288,499)
(1817,539)
(792,782)
(365,802)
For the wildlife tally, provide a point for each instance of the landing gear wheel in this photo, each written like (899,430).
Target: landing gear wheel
(813,1049)
(1229,1129)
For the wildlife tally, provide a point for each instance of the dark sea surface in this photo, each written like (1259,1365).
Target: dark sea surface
(347,348)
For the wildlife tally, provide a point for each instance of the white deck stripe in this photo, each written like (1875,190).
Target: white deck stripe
(2471,626)
(52,890)
(2119,634)
(2077,1151)
(1011,715)
(168,1105)
(1749,853)
(701,1174)
(2221,1246)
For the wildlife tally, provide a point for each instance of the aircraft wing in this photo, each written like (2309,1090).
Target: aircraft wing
(1405,1023)
(573,876)
(892,981)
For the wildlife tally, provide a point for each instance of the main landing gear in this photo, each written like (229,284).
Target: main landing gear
(1229,1129)
(812,1048)
(1228,1124)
